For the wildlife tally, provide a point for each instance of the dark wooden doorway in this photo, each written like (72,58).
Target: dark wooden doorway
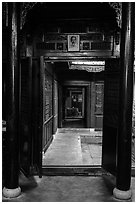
(74,104)
(74,107)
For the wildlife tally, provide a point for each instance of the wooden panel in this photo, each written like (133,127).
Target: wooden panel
(109,149)
(37,113)
(55,105)
(46,46)
(47,134)
(48,96)
(35,107)
(4,70)
(31,112)
(99,101)
(110,122)
(101,46)
(99,88)
(72,55)
(99,122)
(47,109)
(87,106)
(111,100)
(97,43)
(60,108)
(25,115)
(93,94)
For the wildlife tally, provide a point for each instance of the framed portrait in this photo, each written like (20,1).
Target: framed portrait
(73,42)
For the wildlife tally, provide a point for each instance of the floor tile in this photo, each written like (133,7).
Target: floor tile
(67,148)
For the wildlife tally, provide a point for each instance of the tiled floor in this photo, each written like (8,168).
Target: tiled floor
(68,189)
(70,147)
(74,146)
(77,146)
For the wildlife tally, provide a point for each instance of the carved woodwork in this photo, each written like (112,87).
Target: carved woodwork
(88,68)
(88,42)
(27,6)
(117,6)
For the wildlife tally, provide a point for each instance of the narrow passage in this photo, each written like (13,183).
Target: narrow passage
(74,146)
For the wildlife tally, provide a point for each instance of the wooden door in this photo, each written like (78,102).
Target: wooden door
(37,113)
(31,115)
(110,121)
(25,115)
(55,106)
(47,107)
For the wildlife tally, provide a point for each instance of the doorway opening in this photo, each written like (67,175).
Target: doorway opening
(75,141)
(74,107)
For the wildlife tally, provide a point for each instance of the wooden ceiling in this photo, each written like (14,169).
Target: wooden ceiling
(56,12)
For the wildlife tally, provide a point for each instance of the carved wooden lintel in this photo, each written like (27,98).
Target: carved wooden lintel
(26,6)
(88,68)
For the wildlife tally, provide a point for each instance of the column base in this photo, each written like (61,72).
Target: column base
(11,193)
(122,195)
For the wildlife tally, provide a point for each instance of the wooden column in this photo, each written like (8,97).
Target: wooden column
(123,179)
(11,188)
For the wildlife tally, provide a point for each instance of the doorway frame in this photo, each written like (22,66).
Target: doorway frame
(86,85)
(64,170)
(77,91)
(75,170)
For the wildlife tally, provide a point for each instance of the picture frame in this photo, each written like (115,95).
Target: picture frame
(73,43)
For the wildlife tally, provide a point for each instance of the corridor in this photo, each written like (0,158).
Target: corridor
(68,104)
(74,146)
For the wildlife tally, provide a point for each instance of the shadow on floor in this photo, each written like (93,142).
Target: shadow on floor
(27,183)
(110,182)
(67,189)
(73,123)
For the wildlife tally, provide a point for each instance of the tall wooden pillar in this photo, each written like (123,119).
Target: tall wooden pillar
(123,179)
(11,188)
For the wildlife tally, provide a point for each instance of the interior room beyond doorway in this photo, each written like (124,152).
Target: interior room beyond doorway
(74,107)
(75,142)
